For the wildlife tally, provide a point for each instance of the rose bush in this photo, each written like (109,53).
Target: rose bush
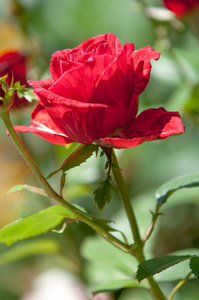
(181,7)
(13,63)
(93,97)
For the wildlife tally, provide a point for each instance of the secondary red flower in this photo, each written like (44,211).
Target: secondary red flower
(93,97)
(13,64)
(181,7)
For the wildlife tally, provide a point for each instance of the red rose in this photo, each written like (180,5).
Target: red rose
(13,64)
(93,97)
(181,7)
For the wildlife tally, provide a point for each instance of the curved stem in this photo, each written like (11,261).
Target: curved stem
(176,288)
(52,193)
(151,227)
(133,223)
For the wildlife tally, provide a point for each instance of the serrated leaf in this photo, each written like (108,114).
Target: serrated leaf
(167,189)
(30,188)
(156,265)
(103,193)
(76,158)
(194,266)
(44,246)
(34,225)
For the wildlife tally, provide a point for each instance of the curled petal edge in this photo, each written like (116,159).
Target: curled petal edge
(46,134)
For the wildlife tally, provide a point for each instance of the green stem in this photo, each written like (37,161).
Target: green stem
(151,227)
(176,288)
(126,201)
(133,223)
(51,192)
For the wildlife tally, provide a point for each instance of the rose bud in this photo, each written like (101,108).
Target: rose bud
(13,64)
(181,7)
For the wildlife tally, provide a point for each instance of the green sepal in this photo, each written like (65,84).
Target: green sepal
(76,158)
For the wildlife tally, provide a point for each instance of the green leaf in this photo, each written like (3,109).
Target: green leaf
(115,285)
(194,266)
(167,189)
(76,158)
(30,188)
(157,265)
(36,224)
(103,193)
(44,246)
(103,255)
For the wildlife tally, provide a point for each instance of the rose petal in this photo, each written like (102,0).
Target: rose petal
(64,60)
(84,125)
(83,77)
(113,86)
(48,97)
(43,126)
(97,119)
(151,124)
(45,83)
(110,39)
(140,61)
(55,68)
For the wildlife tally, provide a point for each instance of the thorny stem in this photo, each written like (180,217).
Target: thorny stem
(176,288)
(52,193)
(134,226)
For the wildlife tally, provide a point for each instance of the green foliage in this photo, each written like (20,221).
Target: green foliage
(194,265)
(103,193)
(36,224)
(105,257)
(27,249)
(167,189)
(156,265)
(115,285)
(76,158)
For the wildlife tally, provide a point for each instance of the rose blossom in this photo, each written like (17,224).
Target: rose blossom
(181,7)
(93,97)
(13,64)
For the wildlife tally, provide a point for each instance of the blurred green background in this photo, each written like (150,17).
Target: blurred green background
(41,27)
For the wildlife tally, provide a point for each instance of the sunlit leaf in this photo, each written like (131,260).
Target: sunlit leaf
(157,265)
(36,224)
(30,188)
(167,189)
(194,265)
